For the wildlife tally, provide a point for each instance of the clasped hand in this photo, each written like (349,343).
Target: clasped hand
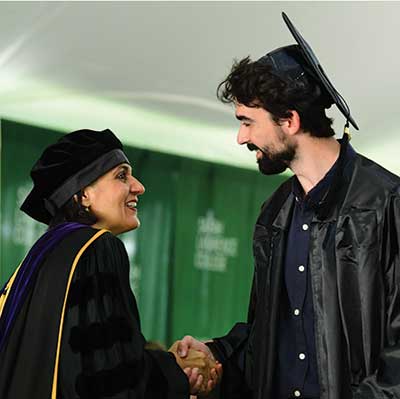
(198,363)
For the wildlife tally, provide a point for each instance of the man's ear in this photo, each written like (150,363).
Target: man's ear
(291,125)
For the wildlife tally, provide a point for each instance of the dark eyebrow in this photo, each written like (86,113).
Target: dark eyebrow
(243,118)
(126,168)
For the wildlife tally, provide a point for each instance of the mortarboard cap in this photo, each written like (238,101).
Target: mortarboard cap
(291,63)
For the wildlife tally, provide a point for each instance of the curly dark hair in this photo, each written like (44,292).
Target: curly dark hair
(73,211)
(252,83)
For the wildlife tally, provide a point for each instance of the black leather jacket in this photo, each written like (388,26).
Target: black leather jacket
(355,276)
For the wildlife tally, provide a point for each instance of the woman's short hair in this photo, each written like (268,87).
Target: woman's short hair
(73,211)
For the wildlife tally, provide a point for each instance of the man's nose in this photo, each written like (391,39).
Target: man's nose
(242,137)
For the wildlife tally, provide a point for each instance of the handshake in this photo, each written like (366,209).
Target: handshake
(197,361)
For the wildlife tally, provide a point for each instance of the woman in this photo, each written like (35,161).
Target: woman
(69,325)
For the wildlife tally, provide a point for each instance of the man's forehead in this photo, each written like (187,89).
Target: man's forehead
(241,109)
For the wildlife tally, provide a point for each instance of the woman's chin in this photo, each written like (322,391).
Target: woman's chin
(116,230)
(132,226)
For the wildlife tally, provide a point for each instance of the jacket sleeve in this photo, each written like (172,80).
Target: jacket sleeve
(385,382)
(102,351)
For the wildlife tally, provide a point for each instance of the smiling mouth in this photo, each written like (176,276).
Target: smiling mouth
(252,147)
(132,205)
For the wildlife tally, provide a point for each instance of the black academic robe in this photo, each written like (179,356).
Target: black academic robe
(354,265)
(81,338)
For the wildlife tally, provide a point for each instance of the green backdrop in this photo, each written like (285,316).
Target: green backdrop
(191,262)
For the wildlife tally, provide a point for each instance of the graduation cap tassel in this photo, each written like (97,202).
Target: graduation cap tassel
(346,131)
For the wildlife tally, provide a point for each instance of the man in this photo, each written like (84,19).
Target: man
(324,313)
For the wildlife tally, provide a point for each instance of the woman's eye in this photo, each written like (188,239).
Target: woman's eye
(122,176)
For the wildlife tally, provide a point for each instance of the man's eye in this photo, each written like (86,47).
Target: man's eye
(247,124)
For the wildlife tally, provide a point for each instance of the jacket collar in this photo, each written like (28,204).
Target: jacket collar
(276,211)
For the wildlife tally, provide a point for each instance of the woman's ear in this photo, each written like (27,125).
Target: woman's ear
(291,125)
(86,196)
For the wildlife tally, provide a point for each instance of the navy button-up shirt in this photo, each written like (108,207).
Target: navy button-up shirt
(297,373)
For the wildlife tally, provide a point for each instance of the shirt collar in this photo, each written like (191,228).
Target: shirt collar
(318,192)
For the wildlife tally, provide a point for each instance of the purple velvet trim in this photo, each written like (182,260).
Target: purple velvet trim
(27,273)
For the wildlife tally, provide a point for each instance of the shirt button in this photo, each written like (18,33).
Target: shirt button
(302,356)
(305,227)
(301,268)
(296,312)
(297,393)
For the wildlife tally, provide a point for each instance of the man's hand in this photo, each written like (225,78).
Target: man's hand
(202,382)
(189,342)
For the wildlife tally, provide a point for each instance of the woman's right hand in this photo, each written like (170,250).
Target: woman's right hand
(202,369)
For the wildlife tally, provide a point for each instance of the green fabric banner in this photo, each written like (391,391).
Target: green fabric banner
(156,211)
(217,208)
(21,146)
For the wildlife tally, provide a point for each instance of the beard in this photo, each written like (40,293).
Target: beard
(273,164)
